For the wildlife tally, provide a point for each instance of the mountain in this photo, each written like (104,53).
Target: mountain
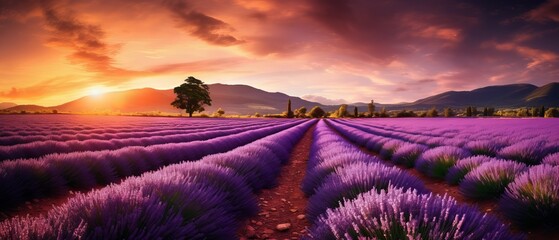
(5,105)
(243,99)
(513,95)
(233,99)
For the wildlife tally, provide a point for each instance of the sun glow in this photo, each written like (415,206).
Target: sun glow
(96,91)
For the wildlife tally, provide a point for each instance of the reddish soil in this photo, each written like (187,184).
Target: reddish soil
(285,203)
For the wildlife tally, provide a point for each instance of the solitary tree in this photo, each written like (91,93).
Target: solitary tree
(192,95)
(371,107)
(289,112)
(542,111)
(469,112)
(355,112)
(316,112)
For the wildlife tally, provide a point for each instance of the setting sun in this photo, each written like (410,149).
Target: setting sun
(96,91)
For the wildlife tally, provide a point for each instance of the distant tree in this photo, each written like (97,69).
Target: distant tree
(219,112)
(300,112)
(474,111)
(485,111)
(383,113)
(405,113)
(523,112)
(432,113)
(551,113)
(490,111)
(257,115)
(342,111)
(317,112)
(371,107)
(448,112)
(535,112)
(468,111)
(289,112)
(355,112)
(54,111)
(542,111)
(192,95)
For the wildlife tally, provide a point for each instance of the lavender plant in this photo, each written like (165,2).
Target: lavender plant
(490,179)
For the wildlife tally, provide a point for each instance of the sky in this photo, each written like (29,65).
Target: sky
(331,51)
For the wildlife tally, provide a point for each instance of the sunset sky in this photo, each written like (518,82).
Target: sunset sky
(329,51)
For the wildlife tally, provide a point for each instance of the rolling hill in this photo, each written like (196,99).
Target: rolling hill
(513,95)
(5,105)
(243,99)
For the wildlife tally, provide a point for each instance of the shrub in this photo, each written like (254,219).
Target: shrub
(532,199)
(389,147)
(483,147)
(399,214)
(352,180)
(490,179)
(457,172)
(408,153)
(315,175)
(436,162)
(529,151)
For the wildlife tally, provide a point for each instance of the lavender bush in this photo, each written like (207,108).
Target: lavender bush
(408,153)
(457,172)
(552,159)
(350,181)
(436,162)
(490,179)
(399,214)
(533,198)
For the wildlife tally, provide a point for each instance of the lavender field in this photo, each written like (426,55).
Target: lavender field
(116,177)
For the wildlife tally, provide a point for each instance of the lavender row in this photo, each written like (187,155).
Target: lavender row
(23,180)
(73,124)
(530,145)
(208,199)
(479,177)
(487,181)
(354,195)
(104,134)
(38,149)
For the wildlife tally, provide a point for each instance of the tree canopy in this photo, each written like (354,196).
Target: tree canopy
(192,96)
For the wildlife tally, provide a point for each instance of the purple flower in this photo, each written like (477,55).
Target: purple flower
(490,179)
(530,152)
(533,198)
(436,162)
(389,147)
(408,153)
(552,159)
(483,147)
(350,181)
(457,172)
(399,214)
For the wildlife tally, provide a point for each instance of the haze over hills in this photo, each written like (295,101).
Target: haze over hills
(5,105)
(243,99)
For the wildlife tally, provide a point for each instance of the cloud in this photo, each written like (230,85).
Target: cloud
(323,100)
(547,11)
(207,28)
(85,41)
(197,66)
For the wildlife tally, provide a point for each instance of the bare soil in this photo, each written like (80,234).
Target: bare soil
(285,203)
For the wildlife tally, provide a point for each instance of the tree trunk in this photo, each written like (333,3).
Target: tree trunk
(190,114)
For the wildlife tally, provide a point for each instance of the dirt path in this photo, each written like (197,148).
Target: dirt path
(285,203)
